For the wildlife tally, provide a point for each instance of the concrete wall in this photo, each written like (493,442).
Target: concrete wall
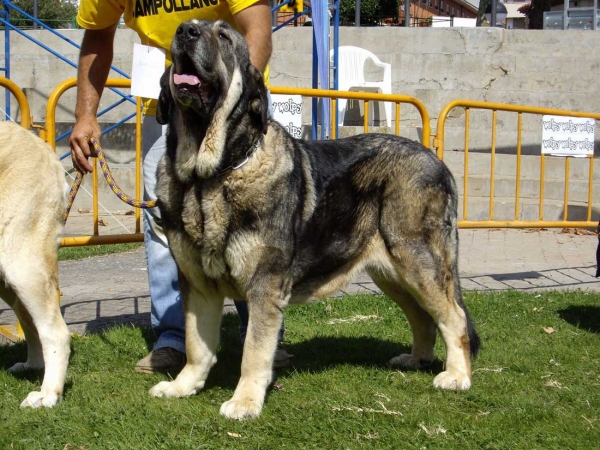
(554,69)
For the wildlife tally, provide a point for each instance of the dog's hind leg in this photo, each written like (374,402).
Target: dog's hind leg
(35,357)
(423,327)
(203,313)
(434,286)
(34,300)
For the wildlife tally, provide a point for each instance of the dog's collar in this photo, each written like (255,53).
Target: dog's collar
(242,161)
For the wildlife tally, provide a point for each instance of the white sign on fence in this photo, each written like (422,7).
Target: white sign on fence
(287,110)
(567,136)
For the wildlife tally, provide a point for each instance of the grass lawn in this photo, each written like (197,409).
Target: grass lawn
(70,253)
(536,385)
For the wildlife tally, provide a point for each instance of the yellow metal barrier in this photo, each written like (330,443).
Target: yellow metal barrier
(96,239)
(438,144)
(21,100)
(367,97)
(515,223)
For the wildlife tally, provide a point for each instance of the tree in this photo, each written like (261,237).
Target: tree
(371,11)
(481,12)
(56,13)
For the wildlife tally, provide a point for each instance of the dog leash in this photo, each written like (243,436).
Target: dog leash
(109,179)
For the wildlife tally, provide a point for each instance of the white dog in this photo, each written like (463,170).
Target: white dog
(32,206)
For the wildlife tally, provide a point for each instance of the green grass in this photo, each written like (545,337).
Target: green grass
(70,253)
(531,389)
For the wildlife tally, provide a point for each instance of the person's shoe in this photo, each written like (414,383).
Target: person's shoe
(164,360)
(282,357)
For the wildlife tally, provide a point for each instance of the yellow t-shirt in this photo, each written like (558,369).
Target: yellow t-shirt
(156,21)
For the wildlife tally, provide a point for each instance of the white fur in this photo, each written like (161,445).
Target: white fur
(32,205)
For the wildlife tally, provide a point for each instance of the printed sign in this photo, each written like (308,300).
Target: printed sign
(567,136)
(148,67)
(287,110)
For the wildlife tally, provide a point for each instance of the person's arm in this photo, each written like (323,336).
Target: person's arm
(95,59)
(254,23)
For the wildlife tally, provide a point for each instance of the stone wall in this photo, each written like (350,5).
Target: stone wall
(550,69)
(554,69)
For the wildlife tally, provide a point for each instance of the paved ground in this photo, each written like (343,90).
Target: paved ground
(107,290)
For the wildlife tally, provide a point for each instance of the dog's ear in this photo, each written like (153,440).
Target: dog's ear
(258,104)
(164,99)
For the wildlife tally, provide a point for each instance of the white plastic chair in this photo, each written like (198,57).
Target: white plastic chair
(351,77)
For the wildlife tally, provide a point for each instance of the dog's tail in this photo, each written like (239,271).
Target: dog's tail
(474,340)
(452,266)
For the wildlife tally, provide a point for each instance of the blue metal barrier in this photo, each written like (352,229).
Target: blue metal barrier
(8,26)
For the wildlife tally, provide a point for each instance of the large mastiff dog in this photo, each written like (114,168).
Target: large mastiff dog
(251,213)
(32,208)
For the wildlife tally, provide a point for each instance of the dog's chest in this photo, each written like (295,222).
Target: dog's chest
(205,216)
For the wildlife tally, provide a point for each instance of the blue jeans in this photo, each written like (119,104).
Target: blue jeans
(167,316)
(166,312)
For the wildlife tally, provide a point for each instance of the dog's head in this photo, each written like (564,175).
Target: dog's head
(213,99)
(211,65)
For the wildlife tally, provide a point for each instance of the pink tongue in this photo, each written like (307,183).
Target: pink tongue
(192,80)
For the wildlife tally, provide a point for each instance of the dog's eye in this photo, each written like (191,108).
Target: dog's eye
(224,37)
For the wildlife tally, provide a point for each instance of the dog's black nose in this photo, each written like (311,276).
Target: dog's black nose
(188,31)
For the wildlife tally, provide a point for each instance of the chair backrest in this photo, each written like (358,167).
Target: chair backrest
(351,62)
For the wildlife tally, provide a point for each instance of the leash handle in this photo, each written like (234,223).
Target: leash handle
(109,179)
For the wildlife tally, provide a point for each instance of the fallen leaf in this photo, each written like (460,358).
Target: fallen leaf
(549,330)
(234,435)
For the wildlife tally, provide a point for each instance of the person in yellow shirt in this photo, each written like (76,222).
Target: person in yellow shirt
(156,21)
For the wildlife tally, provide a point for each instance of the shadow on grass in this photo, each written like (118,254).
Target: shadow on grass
(315,355)
(15,353)
(322,353)
(100,325)
(11,354)
(584,317)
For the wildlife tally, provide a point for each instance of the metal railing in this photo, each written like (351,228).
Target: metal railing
(96,238)
(438,143)
(19,95)
(5,20)
(520,110)
(367,97)
(137,236)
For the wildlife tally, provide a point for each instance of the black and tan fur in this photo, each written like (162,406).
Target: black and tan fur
(296,221)
(32,208)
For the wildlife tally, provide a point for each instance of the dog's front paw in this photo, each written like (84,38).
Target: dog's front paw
(452,380)
(241,409)
(38,399)
(170,389)
(409,362)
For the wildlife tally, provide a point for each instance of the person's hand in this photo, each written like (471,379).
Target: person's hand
(79,142)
